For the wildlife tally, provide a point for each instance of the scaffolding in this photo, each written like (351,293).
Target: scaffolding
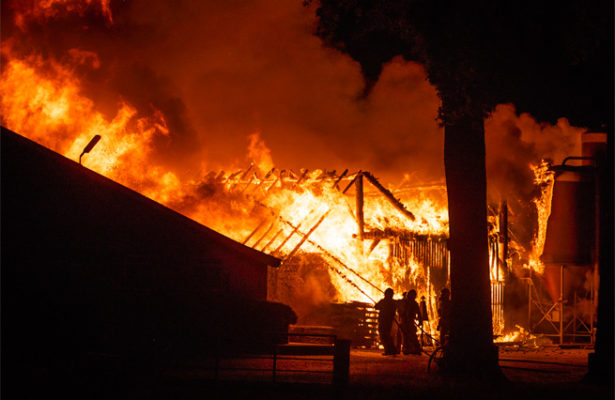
(561,319)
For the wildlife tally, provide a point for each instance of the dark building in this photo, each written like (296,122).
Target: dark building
(93,269)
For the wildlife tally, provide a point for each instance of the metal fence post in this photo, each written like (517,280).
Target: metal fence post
(275,360)
(341,361)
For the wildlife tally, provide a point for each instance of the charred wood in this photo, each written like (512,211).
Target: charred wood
(307,235)
(375,243)
(351,182)
(301,178)
(359,200)
(263,222)
(333,257)
(247,171)
(271,240)
(287,238)
(234,175)
(265,234)
(403,235)
(389,196)
(339,178)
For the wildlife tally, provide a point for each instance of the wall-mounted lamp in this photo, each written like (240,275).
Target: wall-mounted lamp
(90,146)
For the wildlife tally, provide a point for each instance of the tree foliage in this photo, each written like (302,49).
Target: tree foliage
(552,59)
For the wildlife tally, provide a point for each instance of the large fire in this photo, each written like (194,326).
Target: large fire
(43,101)
(544,179)
(281,212)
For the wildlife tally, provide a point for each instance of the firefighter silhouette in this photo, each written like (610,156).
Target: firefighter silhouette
(386,316)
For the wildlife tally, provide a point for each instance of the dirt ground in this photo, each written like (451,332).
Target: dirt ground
(532,373)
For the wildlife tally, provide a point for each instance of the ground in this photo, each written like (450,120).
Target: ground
(546,372)
(533,373)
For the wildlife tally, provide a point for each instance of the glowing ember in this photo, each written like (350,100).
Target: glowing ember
(520,335)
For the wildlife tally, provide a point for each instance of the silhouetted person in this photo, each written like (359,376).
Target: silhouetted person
(398,330)
(411,313)
(386,315)
(444,312)
(424,321)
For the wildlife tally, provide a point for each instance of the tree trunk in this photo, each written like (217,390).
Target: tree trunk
(600,365)
(471,350)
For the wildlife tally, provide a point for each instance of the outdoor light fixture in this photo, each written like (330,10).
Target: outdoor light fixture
(89,147)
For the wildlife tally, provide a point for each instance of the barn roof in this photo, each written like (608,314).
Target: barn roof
(23,156)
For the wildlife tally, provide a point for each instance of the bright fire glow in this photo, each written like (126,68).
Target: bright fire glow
(544,179)
(44,102)
(520,335)
(277,212)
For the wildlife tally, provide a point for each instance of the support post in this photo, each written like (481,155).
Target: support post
(574,318)
(504,237)
(359,198)
(275,362)
(529,302)
(341,361)
(561,306)
(592,286)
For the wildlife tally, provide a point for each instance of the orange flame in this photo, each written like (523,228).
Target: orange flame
(544,179)
(270,210)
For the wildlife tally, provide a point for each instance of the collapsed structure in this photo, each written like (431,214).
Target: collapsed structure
(344,238)
(353,239)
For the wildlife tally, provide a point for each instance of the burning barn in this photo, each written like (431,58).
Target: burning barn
(341,239)
(344,238)
(92,269)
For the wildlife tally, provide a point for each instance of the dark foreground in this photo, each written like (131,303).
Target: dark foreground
(546,373)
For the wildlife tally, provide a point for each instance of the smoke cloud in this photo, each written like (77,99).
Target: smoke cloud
(221,70)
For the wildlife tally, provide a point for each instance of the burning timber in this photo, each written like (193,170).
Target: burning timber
(344,238)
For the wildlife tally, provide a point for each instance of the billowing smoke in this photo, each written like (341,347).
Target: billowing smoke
(219,71)
(514,144)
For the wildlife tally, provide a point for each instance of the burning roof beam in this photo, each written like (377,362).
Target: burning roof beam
(351,182)
(389,196)
(263,222)
(359,198)
(339,178)
(331,256)
(273,224)
(287,238)
(307,235)
(270,242)
(301,178)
